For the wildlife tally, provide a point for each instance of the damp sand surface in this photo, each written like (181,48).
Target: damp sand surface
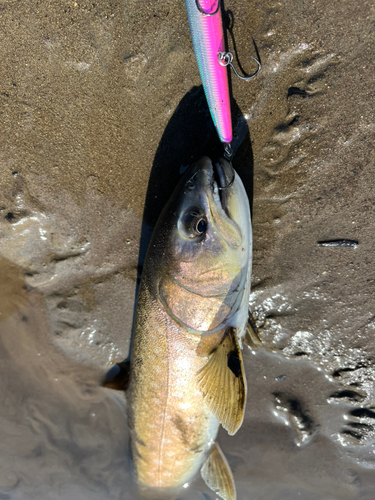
(101,110)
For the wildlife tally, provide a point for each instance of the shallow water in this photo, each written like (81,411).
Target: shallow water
(101,110)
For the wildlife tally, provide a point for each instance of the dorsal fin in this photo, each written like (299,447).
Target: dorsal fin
(222,383)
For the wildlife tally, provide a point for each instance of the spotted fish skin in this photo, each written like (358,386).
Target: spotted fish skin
(206,29)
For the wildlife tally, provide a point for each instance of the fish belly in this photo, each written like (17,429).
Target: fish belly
(171,427)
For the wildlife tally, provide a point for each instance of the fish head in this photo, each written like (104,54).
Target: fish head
(203,246)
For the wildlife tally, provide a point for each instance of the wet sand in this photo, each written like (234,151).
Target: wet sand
(100,110)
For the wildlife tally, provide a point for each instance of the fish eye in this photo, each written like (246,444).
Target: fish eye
(201,226)
(192,224)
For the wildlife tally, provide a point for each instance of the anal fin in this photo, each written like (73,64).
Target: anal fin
(222,383)
(217,475)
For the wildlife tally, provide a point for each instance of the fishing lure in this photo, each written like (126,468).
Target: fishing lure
(206,29)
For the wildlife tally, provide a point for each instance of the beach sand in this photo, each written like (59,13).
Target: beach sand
(101,109)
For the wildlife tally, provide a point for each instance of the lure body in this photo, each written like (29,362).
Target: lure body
(208,40)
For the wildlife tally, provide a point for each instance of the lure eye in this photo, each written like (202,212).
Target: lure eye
(192,224)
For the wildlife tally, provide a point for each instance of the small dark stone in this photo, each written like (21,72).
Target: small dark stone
(10,216)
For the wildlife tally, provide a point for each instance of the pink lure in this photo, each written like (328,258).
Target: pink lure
(208,40)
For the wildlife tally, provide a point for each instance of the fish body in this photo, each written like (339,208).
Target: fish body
(186,370)
(206,29)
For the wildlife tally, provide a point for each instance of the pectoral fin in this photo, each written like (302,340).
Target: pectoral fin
(222,383)
(217,475)
(118,376)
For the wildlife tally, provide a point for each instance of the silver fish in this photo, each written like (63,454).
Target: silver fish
(186,370)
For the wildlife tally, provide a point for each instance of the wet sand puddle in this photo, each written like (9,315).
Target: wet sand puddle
(87,91)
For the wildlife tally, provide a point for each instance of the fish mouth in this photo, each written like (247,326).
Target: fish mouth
(217,178)
(224,174)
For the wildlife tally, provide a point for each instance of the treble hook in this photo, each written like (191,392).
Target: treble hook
(226,58)
(228,155)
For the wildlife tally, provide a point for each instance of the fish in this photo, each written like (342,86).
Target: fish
(186,369)
(206,29)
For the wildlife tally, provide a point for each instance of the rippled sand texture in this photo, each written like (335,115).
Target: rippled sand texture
(96,97)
